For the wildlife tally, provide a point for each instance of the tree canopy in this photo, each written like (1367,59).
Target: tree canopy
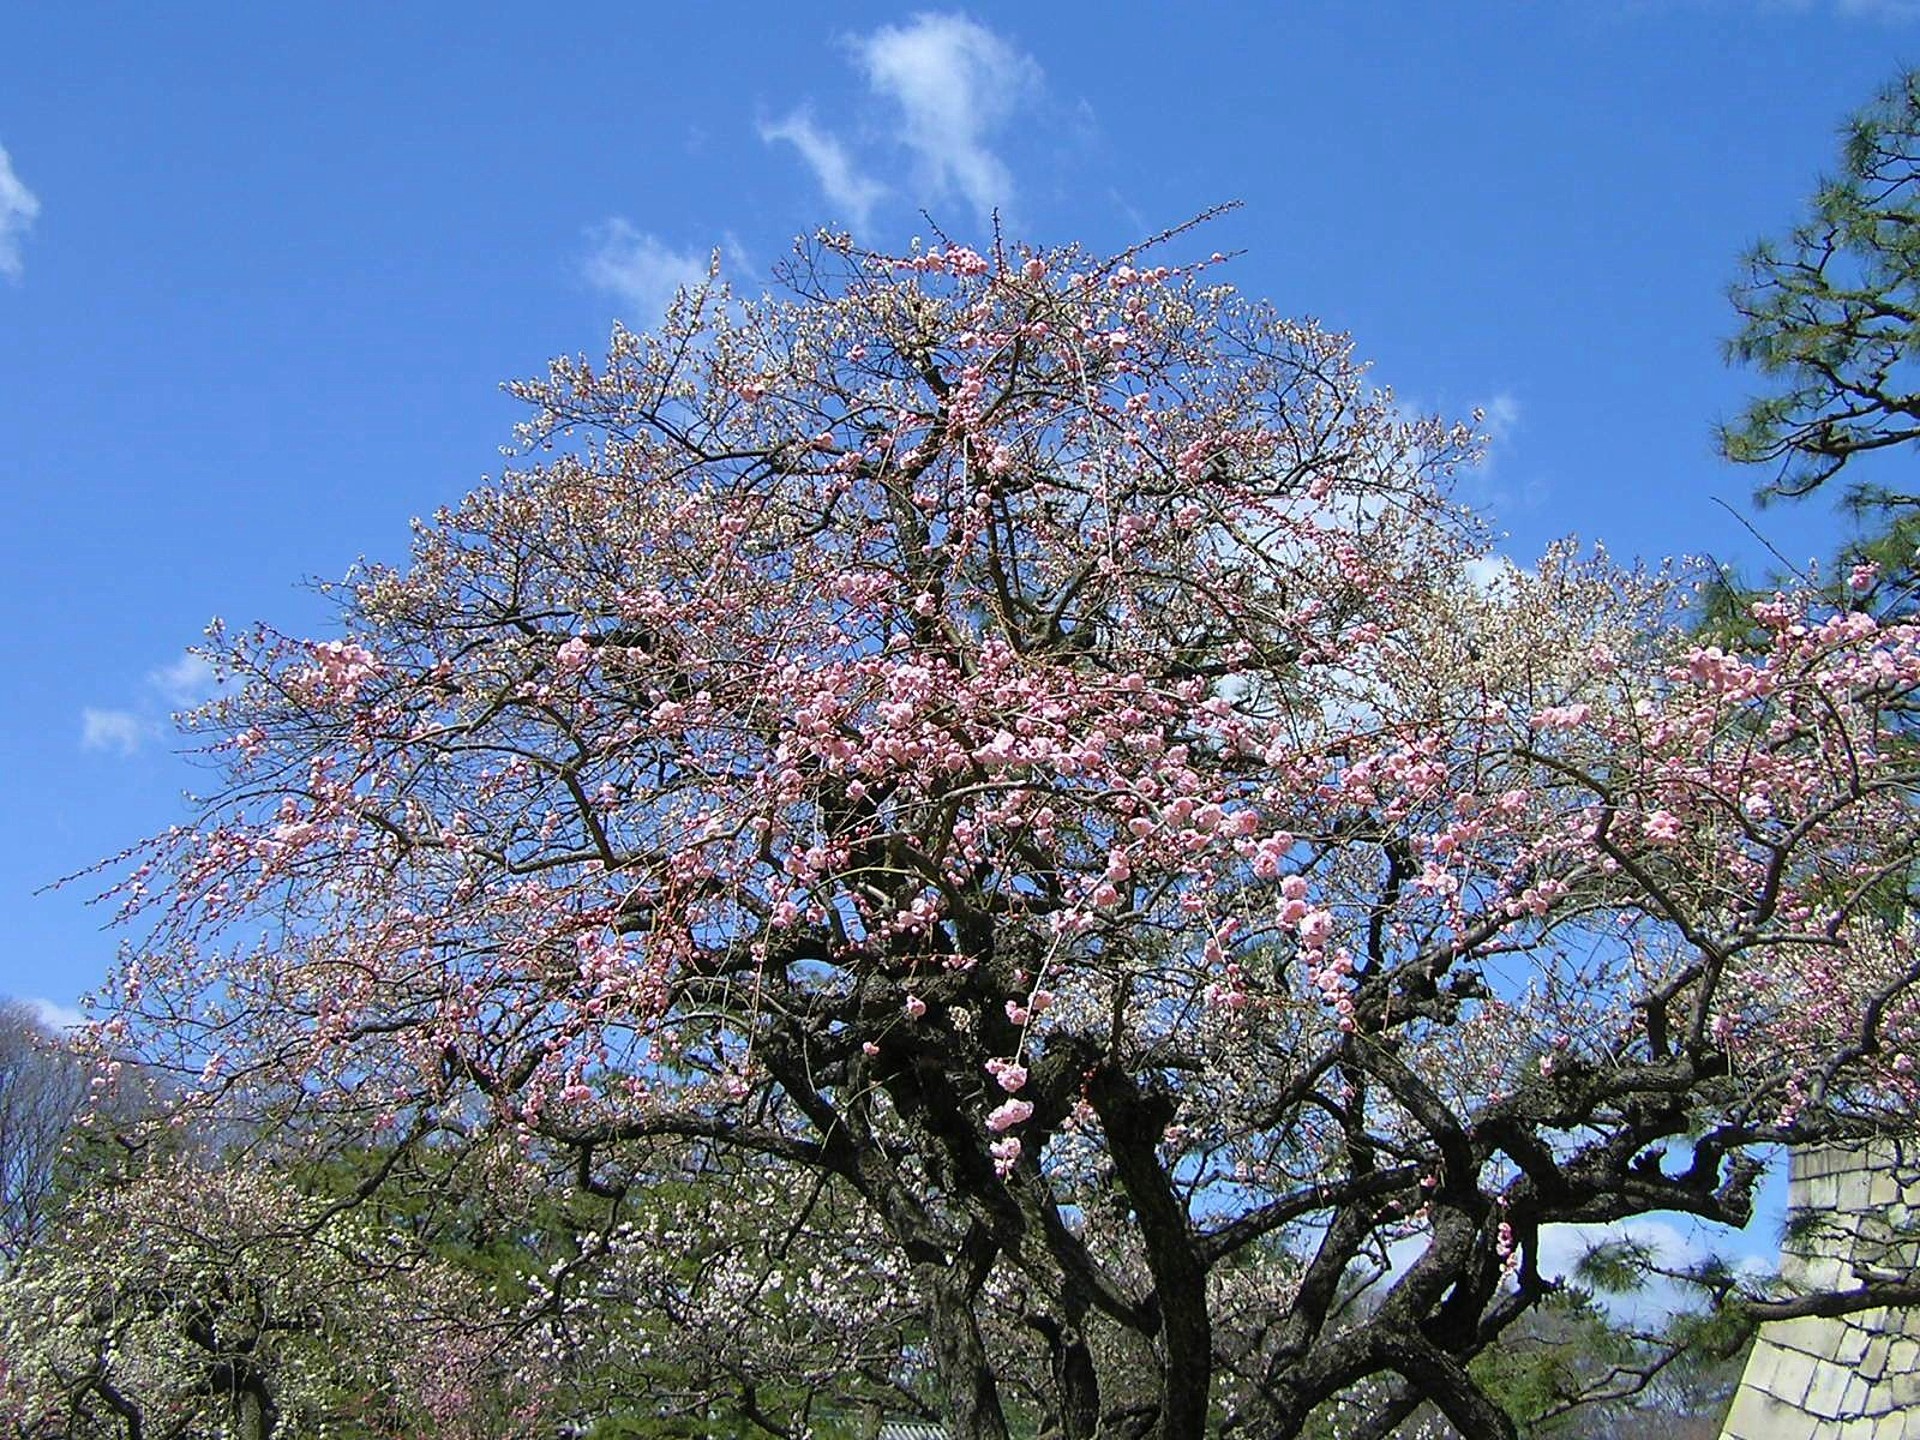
(1010,770)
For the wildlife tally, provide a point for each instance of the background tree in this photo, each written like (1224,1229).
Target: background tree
(196,1300)
(43,1090)
(1831,315)
(1009,745)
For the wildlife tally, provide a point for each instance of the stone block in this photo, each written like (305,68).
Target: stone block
(1873,1362)
(1903,1389)
(1900,1154)
(1823,1272)
(1792,1378)
(1817,1192)
(1853,1191)
(1756,1415)
(1763,1363)
(1811,1160)
(1826,1391)
(1808,1335)
(1855,1396)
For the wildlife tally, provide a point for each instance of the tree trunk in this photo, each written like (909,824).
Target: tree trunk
(966,1372)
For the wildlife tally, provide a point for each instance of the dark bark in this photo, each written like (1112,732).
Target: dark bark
(1134,1124)
(1076,1383)
(967,1376)
(1436,1376)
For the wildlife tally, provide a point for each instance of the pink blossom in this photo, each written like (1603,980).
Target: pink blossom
(1563,717)
(1008,1114)
(1662,825)
(1315,927)
(1008,1074)
(915,1007)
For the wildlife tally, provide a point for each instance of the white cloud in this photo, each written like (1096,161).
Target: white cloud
(956,84)
(1491,573)
(55,1016)
(120,730)
(185,683)
(839,177)
(1491,486)
(1562,1247)
(641,270)
(18,208)
(182,684)
(1499,418)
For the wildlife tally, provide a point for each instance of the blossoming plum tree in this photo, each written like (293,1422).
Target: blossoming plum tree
(1018,740)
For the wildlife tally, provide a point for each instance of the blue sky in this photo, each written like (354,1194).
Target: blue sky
(261,272)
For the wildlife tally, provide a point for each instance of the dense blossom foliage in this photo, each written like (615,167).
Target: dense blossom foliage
(1025,740)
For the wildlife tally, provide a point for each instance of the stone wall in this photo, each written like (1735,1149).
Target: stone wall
(1853,1214)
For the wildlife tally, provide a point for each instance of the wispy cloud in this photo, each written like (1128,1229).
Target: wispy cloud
(181,684)
(640,269)
(1492,486)
(1499,418)
(19,207)
(119,731)
(185,683)
(54,1016)
(950,88)
(1490,573)
(842,180)
(957,84)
